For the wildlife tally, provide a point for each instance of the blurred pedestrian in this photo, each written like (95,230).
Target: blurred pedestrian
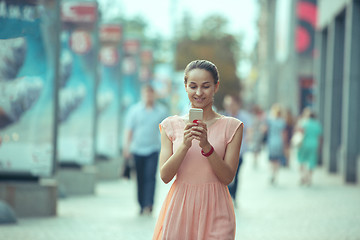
(142,143)
(275,140)
(289,120)
(309,148)
(257,133)
(233,108)
(204,157)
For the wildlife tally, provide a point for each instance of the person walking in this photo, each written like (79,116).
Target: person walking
(257,133)
(233,108)
(308,149)
(142,143)
(204,157)
(289,120)
(276,127)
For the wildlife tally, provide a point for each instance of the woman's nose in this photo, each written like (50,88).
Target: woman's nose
(198,91)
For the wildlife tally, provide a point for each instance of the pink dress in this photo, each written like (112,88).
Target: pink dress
(198,206)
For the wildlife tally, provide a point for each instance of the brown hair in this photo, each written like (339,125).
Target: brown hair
(205,65)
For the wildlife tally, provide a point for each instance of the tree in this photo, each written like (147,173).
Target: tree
(215,45)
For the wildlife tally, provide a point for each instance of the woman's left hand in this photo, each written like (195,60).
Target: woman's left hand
(200,133)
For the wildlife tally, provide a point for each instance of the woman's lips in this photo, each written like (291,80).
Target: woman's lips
(199,99)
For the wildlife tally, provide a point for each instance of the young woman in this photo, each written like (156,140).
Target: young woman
(276,135)
(204,157)
(309,148)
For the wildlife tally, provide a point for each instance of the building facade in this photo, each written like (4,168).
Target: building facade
(308,55)
(337,74)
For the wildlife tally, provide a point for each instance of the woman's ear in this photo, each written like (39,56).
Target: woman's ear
(217,86)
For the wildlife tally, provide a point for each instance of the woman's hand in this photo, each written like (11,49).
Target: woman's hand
(188,135)
(199,131)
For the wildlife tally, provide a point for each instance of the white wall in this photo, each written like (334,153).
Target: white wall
(328,9)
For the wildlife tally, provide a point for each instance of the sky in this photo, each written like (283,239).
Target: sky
(242,14)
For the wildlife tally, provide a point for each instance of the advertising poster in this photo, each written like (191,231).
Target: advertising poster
(108,92)
(27,62)
(130,83)
(306,12)
(78,66)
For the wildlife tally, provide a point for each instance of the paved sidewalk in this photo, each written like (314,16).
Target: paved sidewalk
(327,210)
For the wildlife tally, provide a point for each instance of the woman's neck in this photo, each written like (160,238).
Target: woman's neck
(209,114)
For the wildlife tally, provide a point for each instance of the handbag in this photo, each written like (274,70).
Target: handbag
(127,168)
(297,139)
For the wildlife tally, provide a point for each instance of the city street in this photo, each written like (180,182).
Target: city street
(326,210)
(85,83)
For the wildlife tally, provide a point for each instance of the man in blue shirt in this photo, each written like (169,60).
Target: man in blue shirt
(142,142)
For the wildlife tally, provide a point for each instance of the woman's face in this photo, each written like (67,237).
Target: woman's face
(200,88)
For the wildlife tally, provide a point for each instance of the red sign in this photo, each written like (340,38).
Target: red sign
(131,46)
(306,11)
(110,33)
(306,82)
(85,12)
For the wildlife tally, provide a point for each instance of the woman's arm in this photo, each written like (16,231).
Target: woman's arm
(169,162)
(225,169)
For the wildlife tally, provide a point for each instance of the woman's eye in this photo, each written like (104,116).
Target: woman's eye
(206,86)
(192,87)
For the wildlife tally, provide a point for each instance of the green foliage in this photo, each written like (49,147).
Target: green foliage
(214,44)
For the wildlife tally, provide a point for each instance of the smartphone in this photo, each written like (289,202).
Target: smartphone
(195,114)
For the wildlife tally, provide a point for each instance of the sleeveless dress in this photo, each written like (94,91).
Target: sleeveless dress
(198,206)
(308,150)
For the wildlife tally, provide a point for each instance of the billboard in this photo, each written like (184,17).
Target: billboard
(130,83)
(78,64)
(306,12)
(108,92)
(28,39)
(130,67)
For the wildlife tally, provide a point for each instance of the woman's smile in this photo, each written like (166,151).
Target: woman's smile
(199,99)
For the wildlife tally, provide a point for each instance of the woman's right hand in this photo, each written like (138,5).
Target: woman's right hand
(188,136)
